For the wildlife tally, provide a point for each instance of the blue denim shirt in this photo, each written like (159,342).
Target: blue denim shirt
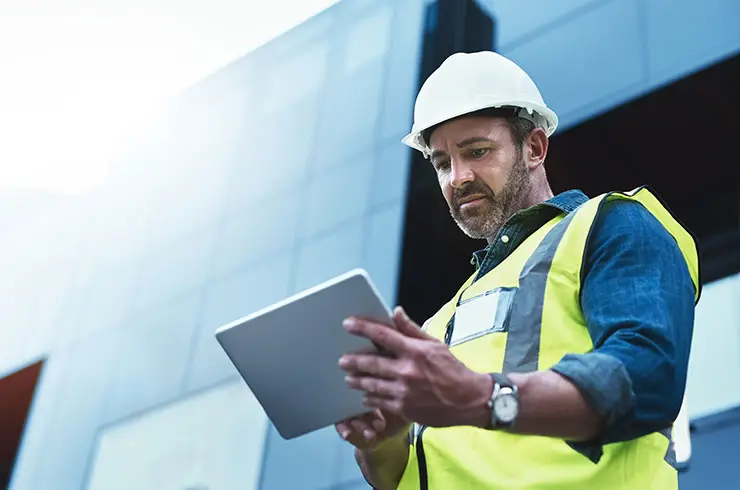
(638,301)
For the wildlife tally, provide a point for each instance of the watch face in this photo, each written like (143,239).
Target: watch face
(506,408)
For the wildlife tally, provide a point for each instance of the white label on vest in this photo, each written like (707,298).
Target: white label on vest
(475,316)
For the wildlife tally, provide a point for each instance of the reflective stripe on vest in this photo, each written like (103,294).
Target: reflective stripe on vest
(525,323)
(542,323)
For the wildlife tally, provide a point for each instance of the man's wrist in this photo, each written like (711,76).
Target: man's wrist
(479,413)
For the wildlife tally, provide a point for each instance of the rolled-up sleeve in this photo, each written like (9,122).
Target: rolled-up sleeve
(638,301)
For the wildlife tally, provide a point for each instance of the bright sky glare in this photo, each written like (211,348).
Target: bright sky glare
(74,74)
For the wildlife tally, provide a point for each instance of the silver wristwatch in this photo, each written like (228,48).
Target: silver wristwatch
(504,402)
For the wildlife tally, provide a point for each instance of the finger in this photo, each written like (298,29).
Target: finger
(348,433)
(353,434)
(384,335)
(375,421)
(357,440)
(361,428)
(378,422)
(370,364)
(375,386)
(407,326)
(343,429)
(392,405)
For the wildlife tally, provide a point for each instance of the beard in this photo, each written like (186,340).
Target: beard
(485,219)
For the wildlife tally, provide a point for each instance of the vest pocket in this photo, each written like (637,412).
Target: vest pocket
(481,315)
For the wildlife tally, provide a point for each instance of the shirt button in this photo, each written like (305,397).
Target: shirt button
(505,239)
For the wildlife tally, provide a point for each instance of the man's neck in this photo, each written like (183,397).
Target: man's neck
(537,196)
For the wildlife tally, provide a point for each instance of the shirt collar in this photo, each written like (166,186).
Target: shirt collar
(565,202)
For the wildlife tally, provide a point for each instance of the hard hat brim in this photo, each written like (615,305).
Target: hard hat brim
(415,140)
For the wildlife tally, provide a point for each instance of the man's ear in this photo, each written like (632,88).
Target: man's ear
(535,148)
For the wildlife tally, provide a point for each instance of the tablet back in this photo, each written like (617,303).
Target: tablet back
(287,353)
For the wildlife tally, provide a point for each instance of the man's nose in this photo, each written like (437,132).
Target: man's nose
(460,174)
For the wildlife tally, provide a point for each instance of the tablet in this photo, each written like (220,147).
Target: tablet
(288,352)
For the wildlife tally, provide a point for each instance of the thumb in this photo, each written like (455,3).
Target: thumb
(407,326)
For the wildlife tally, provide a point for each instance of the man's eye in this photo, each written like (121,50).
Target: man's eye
(478,152)
(441,164)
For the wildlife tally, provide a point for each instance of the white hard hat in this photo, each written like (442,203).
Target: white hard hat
(469,82)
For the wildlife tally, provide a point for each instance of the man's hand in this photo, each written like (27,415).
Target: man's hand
(423,383)
(367,431)
(381,446)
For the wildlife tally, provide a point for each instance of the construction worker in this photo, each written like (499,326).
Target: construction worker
(561,362)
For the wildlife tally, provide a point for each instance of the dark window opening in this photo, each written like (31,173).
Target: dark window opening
(16,395)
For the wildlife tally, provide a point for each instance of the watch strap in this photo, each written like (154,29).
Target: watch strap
(502,380)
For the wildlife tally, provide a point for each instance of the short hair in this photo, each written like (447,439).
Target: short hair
(520,126)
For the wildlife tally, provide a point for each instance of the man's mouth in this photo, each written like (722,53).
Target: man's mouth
(470,200)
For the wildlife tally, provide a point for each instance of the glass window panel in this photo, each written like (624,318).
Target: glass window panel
(390,172)
(383,248)
(338,195)
(181,266)
(368,39)
(210,440)
(155,348)
(310,459)
(328,256)
(293,79)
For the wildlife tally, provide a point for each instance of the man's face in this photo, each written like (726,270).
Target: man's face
(481,172)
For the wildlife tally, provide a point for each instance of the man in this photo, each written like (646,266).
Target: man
(561,362)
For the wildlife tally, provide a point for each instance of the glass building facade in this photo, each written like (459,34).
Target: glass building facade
(276,173)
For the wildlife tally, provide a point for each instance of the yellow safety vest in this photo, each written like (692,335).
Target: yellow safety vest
(538,320)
